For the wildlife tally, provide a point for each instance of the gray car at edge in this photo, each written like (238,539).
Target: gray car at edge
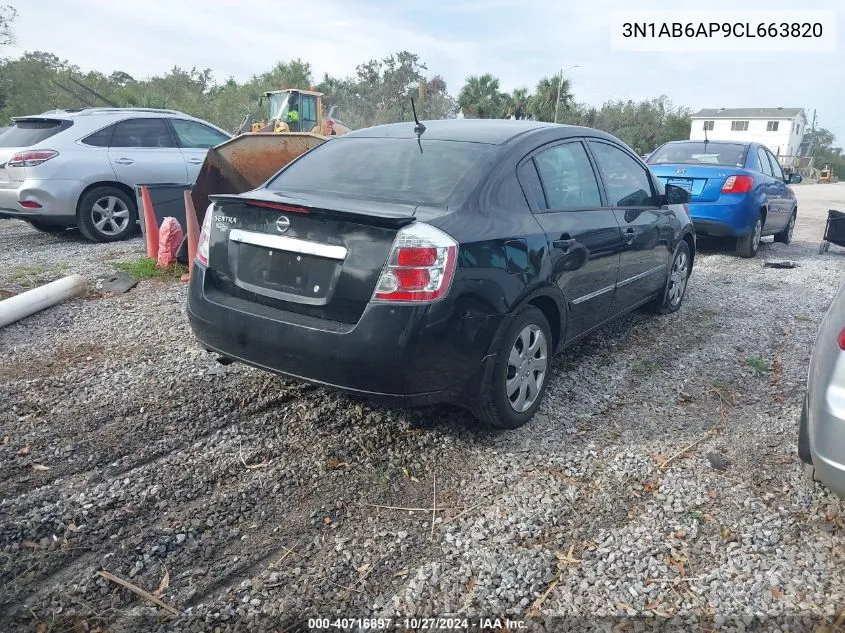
(821,435)
(79,167)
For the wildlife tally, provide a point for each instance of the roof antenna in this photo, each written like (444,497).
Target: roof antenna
(705,136)
(419,128)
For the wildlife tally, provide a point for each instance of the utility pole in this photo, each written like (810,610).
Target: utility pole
(559,85)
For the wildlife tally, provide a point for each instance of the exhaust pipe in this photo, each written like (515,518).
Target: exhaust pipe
(32,301)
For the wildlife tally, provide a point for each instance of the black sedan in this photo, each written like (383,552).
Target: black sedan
(444,264)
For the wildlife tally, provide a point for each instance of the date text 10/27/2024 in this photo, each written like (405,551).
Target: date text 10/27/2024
(416,624)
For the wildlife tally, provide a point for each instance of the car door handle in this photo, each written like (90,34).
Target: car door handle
(564,243)
(629,236)
(123,161)
(195,161)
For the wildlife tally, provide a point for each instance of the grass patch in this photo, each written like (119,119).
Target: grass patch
(760,367)
(145,268)
(696,515)
(31,276)
(802,317)
(646,366)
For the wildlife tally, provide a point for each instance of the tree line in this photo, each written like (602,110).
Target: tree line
(379,91)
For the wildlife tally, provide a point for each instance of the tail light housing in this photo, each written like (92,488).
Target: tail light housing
(420,267)
(738,184)
(841,339)
(205,236)
(31,158)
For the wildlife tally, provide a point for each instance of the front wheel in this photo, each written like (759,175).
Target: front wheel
(676,283)
(521,373)
(749,245)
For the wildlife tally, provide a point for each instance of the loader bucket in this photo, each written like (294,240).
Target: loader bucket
(246,162)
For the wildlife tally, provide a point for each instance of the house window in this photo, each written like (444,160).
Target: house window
(739,126)
(708,125)
(772,126)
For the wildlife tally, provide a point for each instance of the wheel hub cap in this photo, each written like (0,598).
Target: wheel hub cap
(526,368)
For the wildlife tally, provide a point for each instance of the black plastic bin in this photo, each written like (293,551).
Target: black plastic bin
(168,201)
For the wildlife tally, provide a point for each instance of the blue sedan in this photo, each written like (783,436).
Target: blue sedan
(738,190)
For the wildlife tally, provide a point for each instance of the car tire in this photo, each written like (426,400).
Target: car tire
(748,245)
(520,375)
(785,236)
(676,282)
(46,227)
(107,214)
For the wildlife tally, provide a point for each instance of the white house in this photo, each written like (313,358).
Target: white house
(779,129)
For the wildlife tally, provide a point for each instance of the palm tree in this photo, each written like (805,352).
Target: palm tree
(545,100)
(480,97)
(516,104)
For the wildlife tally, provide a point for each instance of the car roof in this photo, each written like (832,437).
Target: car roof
(101,113)
(491,131)
(709,141)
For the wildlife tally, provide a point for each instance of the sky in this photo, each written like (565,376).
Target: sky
(518,41)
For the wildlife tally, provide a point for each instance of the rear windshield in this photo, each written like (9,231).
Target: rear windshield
(26,133)
(726,154)
(390,169)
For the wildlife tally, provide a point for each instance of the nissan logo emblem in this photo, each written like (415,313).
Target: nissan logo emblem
(282,224)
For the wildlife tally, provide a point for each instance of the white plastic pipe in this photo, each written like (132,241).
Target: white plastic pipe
(32,301)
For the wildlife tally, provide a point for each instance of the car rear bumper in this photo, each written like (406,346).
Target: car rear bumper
(57,198)
(825,435)
(395,354)
(720,219)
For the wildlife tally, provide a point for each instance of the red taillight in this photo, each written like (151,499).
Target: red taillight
(31,158)
(420,266)
(841,339)
(30,204)
(738,184)
(278,206)
(205,236)
(416,257)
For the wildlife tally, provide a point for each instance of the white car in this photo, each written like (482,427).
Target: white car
(79,168)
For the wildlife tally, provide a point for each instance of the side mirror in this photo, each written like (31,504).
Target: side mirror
(794,179)
(677,195)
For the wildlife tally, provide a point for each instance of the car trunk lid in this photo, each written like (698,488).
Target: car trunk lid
(704,182)
(315,255)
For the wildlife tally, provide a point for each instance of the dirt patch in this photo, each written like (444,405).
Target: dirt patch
(44,366)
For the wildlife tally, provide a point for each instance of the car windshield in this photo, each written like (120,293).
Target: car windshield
(27,133)
(694,153)
(389,169)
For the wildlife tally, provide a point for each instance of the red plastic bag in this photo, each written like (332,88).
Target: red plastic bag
(169,238)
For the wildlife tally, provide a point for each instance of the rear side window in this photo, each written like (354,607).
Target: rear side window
(765,167)
(26,133)
(391,169)
(142,133)
(196,135)
(568,177)
(625,179)
(530,182)
(101,138)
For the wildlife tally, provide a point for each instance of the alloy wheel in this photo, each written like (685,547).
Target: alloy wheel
(527,365)
(110,215)
(755,238)
(678,278)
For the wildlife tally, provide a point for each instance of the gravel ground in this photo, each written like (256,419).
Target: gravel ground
(251,502)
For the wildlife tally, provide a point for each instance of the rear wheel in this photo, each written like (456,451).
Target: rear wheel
(521,372)
(676,284)
(785,236)
(107,214)
(749,245)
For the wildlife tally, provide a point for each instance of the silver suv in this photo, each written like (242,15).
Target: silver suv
(79,168)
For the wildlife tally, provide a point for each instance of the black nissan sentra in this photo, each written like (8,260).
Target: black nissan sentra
(445,262)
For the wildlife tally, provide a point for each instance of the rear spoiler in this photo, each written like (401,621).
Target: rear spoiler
(383,219)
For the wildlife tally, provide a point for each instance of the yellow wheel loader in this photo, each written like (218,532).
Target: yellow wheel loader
(825,174)
(295,124)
